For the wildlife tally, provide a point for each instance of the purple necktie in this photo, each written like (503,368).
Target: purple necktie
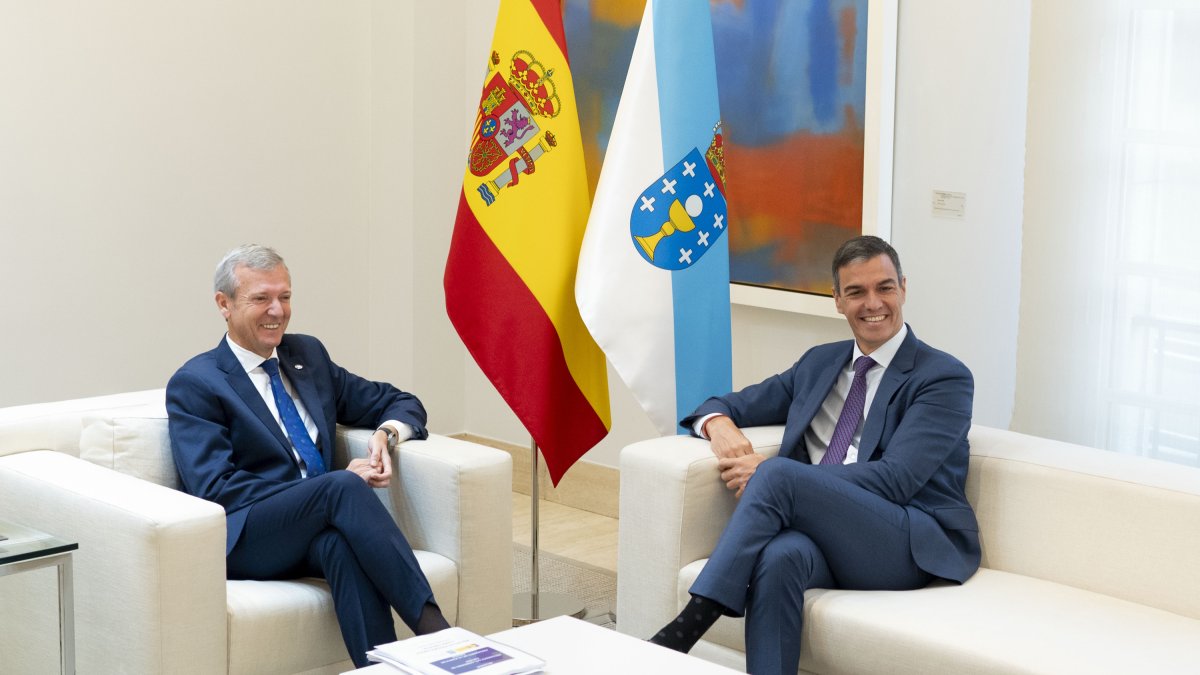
(851,415)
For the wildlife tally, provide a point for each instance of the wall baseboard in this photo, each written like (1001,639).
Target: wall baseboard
(587,486)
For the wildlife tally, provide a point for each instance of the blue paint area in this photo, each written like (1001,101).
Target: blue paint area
(775,77)
(780,70)
(755,266)
(600,53)
(857,94)
(822,65)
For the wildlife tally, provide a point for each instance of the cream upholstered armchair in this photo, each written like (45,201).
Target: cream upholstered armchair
(149,576)
(1089,565)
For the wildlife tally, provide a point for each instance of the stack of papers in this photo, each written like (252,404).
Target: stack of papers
(455,650)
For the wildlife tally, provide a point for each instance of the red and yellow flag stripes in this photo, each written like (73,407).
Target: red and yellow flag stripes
(510,276)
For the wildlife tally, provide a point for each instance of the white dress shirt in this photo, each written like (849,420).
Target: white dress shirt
(252,364)
(820,430)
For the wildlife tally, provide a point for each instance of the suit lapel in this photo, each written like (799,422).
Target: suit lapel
(808,407)
(299,373)
(240,382)
(823,385)
(893,378)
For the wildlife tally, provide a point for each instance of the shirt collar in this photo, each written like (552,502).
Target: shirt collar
(247,358)
(886,352)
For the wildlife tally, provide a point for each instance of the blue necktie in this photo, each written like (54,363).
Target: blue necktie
(292,422)
(851,415)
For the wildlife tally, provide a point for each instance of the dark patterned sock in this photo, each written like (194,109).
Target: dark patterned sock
(431,620)
(691,624)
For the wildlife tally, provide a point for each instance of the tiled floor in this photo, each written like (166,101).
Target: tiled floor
(567,532)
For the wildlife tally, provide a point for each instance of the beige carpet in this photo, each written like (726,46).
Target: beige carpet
(595,587)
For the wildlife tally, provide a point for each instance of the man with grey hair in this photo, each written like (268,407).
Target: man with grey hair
(252,428)
(868,490)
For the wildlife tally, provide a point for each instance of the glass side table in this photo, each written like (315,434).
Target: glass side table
(23,549)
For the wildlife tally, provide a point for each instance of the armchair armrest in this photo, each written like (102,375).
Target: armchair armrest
(149,575)
(673,509)
(454,498)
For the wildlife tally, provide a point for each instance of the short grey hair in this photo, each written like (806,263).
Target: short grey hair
(862,249)
(249,255)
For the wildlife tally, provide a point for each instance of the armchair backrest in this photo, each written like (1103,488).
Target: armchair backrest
(133,440)
(57,425)
(1117,524)
(124,432)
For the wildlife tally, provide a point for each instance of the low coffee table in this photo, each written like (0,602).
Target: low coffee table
(23,549)
(573,647)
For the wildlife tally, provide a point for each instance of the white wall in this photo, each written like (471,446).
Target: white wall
(442,61)
(960,127)
(1073,74)
(139,141)
(390,273)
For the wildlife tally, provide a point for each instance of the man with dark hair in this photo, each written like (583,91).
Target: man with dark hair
(252,429)
(868,491)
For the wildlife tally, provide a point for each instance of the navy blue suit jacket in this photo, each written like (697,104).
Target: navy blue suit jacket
(913,450)
(228,447)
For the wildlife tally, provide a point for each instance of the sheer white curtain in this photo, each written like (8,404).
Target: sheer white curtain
(1109,344)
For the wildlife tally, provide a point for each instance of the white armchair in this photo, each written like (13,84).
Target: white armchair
(151,593)
(1089,565)
(673,509)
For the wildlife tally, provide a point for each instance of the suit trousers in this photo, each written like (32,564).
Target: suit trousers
(334,526)
(798,527)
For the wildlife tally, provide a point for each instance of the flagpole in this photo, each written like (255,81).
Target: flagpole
(537,606)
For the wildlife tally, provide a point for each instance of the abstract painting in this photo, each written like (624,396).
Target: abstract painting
(800,110)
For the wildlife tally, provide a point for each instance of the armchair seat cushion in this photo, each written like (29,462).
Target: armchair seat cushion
(280,626)
(997,622)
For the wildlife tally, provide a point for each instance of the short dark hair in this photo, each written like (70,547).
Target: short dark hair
(861,249)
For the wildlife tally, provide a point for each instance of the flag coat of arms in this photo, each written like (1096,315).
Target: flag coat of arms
(510,274)
(653,283)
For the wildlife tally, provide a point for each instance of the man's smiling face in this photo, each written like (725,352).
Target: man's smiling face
(871,297)
(257,315)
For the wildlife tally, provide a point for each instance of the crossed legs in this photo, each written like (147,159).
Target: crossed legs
(796,527)
(334,526)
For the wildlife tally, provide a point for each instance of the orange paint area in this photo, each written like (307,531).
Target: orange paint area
(624,13)
(797,199)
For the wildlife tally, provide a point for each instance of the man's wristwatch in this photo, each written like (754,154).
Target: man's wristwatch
(392,436)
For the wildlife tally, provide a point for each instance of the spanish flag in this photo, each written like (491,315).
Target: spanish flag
(510,275)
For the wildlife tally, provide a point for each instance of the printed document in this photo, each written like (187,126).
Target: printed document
(455,651)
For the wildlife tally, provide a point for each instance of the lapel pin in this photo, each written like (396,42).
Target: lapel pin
(299,367)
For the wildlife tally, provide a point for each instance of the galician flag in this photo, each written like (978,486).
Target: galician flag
(653,284)
(510,276)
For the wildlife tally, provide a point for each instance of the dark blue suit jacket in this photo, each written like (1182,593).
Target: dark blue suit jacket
(913,450)
(230,450)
